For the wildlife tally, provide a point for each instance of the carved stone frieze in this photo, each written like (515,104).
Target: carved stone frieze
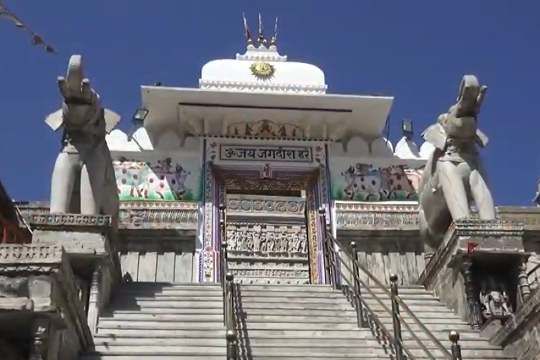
(30,254)
(133,215)
(268,253)
(52,220)
(249,205)
(267,240)
(361,216)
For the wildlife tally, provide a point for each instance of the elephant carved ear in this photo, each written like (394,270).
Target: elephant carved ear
(111,119)
(55,120)
(435,135)
(481,138)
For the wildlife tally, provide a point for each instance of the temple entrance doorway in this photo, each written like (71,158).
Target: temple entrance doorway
(270,229)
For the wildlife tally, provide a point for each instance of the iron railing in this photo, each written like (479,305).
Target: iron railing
(366,317)
(227,284)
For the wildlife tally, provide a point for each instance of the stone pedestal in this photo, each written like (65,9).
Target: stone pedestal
(40,302)
(89,241)
(478,258)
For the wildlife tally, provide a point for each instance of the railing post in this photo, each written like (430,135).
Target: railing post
(456,348)
(223,237)
(395,318)
(327,249)
(357,287)
(230,335)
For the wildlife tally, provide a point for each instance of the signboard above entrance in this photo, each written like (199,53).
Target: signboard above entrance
(265,153)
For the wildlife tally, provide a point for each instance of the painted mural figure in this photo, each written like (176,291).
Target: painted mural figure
(160,180)
(454,176)
(370,183)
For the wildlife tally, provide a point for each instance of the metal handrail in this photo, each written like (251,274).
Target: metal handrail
(334,274)
(227,284)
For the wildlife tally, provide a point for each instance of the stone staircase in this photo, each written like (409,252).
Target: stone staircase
(185,321)
(439,319)
(300,322)
(162,321)
(316,321)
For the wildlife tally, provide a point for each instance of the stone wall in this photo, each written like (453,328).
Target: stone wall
(520,336)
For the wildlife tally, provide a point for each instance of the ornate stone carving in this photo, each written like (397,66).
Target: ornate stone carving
(163,215)
(351,216)
(453,176)
(265,129)
(494,301)
(264,253)
(83,177)
(256,205)
(29,253)
(51,220)
(264,240)
(133,215)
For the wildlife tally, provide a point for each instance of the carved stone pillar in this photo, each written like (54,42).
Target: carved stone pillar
(40,339)
(523,281)
(472,300)
(94,300)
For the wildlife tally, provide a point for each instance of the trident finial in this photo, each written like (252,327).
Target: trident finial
(273,41)
(247,33)
(261,40)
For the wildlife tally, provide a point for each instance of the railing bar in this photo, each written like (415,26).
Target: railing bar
(424,328)
(386,308)
(379,323)
(416,338)
(400,301)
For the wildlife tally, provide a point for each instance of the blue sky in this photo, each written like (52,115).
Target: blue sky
(416,51)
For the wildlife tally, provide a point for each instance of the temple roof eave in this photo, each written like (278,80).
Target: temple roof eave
(204,112)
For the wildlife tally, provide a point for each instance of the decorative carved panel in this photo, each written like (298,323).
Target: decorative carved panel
(267,239)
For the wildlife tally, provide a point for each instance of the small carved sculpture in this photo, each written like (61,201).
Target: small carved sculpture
(494,302)
(83,178)
(454,176)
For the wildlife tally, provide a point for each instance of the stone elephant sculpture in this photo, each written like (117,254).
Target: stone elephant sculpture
(83,179)
(454,177)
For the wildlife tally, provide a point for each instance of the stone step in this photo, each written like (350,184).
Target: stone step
(141,304)
(164,310)
(363,336)
(343,313)
(96,356)
(156,333)
(342,334)
(148,297)
(166,292)
(113,340)
(152,324)
(151,284)
(246,295)
(162,350)
(218,318)
(362,351)
(316,318)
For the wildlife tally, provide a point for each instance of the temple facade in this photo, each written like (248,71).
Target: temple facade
(259,216)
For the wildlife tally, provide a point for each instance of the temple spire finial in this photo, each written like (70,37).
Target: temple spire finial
(273,40)
(247,33)
(261,39)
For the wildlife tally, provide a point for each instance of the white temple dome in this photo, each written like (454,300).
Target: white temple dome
(264,70)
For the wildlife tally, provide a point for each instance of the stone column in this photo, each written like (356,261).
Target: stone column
(523,281)
(472,300)
(40,339)
(94,300)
